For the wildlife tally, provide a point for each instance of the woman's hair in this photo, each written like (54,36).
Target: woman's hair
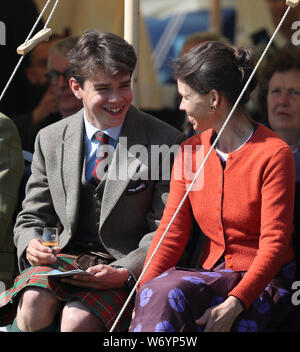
(283,60)
(105,51)
(217,66)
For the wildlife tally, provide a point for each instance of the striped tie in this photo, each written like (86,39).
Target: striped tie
(101,154)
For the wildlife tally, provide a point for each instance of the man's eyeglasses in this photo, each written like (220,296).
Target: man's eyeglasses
(53,76)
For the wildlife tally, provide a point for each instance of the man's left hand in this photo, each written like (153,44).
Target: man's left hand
(102,277)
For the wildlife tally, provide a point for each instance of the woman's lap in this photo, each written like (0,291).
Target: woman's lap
(175,299)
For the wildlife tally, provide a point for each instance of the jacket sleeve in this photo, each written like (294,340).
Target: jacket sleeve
(134,260)
(275,242)
(11,172)
(175,239)
(38,208)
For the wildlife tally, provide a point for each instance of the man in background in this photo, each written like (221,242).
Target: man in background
(59,100)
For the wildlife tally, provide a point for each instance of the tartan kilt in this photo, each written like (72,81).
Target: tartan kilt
(106,304)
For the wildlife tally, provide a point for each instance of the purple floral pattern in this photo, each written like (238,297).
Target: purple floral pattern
(164,326)
(194,280)
(247,326)
(177,300)
(145,296)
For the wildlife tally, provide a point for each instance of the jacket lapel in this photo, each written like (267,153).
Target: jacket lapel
(70,157)
(125,163)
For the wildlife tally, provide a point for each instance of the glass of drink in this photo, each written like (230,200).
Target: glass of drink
(50,237)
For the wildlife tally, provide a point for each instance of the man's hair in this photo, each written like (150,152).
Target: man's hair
(104,51)
(62,46)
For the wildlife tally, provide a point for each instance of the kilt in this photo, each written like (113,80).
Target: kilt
(106,304)
(173,301)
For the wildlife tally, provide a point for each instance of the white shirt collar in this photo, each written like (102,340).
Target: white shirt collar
(113,132)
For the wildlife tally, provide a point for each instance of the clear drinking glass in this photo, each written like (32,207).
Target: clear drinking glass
(50,237)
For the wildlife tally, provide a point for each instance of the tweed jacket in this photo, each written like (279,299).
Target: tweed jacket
(127,219)
(11,172)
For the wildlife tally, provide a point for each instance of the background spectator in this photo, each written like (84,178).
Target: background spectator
(59,97)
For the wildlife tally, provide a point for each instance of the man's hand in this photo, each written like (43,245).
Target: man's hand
(220,318)
(102,277)
(46,107)
(38,254)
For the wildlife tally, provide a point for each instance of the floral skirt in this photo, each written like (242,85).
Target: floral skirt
(105,304)
(173,301)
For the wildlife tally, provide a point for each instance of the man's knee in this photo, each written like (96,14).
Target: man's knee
(37,308)
(76,317)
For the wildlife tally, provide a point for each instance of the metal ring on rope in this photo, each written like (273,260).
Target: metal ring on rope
(290,3)
(29,44)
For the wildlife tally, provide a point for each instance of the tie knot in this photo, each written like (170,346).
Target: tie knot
(101,137)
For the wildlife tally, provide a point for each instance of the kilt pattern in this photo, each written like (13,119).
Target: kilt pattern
(105,304)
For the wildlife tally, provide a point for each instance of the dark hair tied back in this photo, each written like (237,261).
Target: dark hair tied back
(245,61)
(216,66)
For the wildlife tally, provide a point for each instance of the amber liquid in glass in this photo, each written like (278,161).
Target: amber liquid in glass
(51,244)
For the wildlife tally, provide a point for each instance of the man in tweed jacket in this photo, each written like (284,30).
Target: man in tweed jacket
(128,202)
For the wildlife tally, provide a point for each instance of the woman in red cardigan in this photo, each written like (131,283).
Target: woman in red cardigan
(243,203)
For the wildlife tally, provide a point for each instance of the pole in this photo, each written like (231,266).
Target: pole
(131,34)
(215,17)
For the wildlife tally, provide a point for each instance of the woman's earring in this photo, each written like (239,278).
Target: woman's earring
(213,107)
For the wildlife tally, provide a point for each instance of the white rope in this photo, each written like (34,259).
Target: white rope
(37,21)
(28,37)
(11,77)
(51,14)
(201,167)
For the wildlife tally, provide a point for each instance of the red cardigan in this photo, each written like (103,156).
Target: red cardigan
(246,211)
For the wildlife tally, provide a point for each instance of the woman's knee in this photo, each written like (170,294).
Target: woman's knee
(165,282)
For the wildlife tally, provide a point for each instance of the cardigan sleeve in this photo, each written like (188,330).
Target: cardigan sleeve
(173,244)
(275,242)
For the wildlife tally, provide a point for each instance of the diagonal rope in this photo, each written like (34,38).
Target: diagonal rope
(28,37)
(51,13)
(11,77)
(37,21)
(200,168)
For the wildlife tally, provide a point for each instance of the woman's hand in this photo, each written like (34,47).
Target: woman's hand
(102,277)
(220,318)
(38,254)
